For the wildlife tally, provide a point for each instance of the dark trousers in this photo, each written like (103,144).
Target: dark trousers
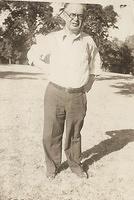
(60,107)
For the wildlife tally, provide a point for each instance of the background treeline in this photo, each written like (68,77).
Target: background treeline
(25,20)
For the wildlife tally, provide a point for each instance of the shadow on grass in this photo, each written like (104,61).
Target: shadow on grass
(124,88)
(19,75)
(118,139)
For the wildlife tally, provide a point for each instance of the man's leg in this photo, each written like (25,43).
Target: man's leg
(54,117)
(75,113)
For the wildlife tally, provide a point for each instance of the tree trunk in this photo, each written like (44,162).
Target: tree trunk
(10,61)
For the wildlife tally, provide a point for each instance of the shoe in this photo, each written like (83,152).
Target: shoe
(80,172)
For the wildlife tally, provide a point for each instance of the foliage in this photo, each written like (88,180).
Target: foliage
(98,21)
(130,42)
(27,19)
(6,50)
(118,57)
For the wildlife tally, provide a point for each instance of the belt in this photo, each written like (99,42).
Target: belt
(69,90)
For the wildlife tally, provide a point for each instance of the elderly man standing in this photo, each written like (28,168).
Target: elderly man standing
(74,63)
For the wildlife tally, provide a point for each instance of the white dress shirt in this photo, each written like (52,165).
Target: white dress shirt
(71,58)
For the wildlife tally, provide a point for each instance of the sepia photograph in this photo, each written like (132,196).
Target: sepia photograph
(67,100)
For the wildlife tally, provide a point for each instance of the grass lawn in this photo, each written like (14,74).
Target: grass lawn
(107,140)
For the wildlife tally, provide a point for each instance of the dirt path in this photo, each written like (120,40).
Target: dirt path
(107,141)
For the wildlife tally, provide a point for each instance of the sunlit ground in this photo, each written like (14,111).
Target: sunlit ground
(107,140)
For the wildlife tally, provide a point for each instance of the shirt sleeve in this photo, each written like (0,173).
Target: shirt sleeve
(95,60)
(39,51)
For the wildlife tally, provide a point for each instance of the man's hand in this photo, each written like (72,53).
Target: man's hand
(90,82)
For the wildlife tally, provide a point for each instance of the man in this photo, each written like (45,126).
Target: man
(74,63)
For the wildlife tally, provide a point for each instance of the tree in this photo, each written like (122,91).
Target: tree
(129,42)
(26,19)
(118,57)
(98,21)
(6,50)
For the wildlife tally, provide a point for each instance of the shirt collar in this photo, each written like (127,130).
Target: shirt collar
(65,33)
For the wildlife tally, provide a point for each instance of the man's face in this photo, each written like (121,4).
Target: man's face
(74,14)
